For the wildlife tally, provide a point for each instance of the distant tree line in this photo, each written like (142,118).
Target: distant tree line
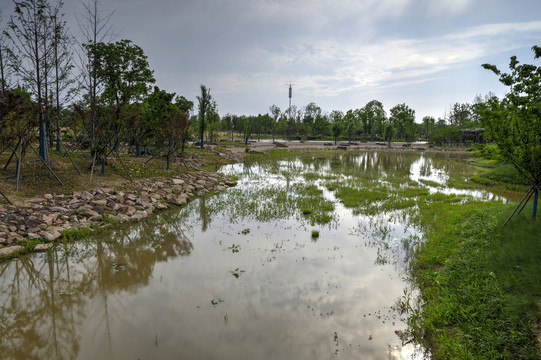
(369,123)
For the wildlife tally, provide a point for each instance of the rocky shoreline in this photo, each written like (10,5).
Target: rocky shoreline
(44,219)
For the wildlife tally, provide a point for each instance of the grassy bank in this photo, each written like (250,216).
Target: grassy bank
(479,282)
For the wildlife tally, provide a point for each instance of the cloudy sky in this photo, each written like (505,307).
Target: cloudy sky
(340,54)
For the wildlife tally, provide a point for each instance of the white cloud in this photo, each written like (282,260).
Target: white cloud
(331,67)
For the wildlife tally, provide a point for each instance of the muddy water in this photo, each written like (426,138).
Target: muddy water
(215,281)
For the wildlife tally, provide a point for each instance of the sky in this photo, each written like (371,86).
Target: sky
(339,54)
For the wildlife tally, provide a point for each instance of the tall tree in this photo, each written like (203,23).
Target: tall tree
(204,103)
(337,122)
(95,28)
(275,112)
(123,69)
(62,62)
(514,123)
(212,118)
(428,122)
(29,33)
(375,117)
(4,60)
(403,119)
(460,114)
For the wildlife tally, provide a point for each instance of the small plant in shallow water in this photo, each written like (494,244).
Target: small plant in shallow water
(234,248)
(236,273)
(245,231)
(315,234)
(216,302)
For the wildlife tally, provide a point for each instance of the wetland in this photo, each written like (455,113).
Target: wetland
(308,257)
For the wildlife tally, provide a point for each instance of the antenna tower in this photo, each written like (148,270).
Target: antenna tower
(290,95)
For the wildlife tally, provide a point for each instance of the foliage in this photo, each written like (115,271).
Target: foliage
(514,123)
(403,119)
(447,135)
(204,103)
(123,69)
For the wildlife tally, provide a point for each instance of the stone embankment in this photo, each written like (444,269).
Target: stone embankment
(46,218)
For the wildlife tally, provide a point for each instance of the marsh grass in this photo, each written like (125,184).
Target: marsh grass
(430,183)
(275,202)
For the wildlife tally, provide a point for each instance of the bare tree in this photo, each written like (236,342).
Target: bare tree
(62,63)
(95,28)
(4,64)
(28,32)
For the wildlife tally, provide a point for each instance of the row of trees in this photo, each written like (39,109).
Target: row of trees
(370,122)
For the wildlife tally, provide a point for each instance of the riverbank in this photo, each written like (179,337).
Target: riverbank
(36,223)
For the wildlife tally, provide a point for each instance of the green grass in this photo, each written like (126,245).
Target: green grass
(505,176)
(516,261)
(476,281)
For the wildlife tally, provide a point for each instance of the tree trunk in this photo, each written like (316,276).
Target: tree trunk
(535,197)
(42,138)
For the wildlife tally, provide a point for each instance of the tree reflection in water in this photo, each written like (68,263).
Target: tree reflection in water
(45,298)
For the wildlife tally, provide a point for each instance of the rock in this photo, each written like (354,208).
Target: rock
(8,251)
(101,203)
(177,200)
(100,210)
(139,215)
(122,217)
(36,200)
(86,196)
(160,205)
(87,212)
(105,190)
(48,196)
(50,235)
(96,217)
(58,209)
(49,219)
(178,182)
(33,236)
(130,197)
(43,247)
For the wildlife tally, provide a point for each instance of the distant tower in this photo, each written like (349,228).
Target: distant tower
(290,95)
